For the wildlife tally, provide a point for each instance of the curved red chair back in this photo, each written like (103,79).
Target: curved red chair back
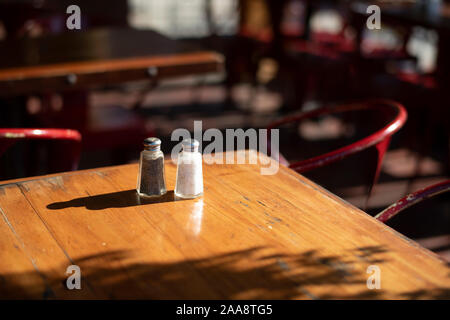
(67,158)
(412,199)
(379,139)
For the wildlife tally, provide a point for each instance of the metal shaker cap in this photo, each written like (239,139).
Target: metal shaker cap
(190,144)
(152,143)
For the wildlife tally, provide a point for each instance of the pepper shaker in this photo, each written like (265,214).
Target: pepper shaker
(189,183)
(151,180)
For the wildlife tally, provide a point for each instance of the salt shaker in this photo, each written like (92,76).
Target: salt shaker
(189,183)
(151,181)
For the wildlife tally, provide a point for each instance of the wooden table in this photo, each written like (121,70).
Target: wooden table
(81,59)
(249,236)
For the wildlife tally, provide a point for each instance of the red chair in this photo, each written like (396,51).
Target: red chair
(69,143)
(379,139)
(412,199)
(113,129)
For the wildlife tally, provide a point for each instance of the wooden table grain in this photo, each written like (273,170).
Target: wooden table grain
(250,236)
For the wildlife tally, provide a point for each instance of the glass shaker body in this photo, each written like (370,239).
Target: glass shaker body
(189,183)
(151,179)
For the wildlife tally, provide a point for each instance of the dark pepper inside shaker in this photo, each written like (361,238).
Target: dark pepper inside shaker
(151,179)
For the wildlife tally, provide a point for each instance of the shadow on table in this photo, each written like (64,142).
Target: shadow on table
(247,274)
(121,199)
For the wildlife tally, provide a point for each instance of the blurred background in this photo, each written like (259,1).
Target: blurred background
(280,58)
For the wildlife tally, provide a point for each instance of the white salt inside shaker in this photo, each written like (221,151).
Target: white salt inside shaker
(189,183)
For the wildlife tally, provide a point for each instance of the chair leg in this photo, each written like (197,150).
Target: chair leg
(381,148)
